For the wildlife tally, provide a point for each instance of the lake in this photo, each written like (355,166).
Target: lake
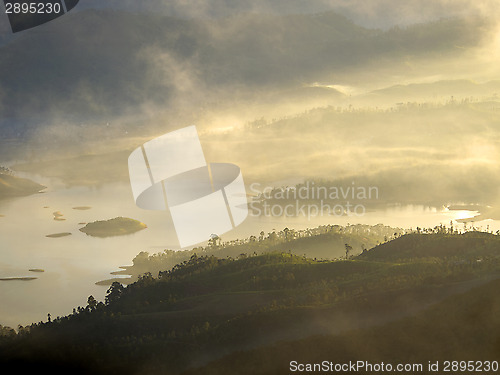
(74,263)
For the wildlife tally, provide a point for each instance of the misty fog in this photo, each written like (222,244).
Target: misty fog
(381,93)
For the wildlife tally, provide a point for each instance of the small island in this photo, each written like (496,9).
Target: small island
(114,227)
(58,216)
(58,235)
(82,208)
(38,270)
(125,271)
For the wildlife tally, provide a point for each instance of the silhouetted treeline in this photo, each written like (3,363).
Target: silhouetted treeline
(323,242)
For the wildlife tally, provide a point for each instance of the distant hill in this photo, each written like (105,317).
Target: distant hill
(315,95)
(446,89)
(11,186)
(394,149)
(93,64)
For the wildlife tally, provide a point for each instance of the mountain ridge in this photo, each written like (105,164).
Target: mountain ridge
(101,64)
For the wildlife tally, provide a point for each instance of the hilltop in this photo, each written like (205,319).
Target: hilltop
(469,246)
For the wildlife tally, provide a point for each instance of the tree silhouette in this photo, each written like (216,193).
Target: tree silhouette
(91,303)
(114,292)
(348,249)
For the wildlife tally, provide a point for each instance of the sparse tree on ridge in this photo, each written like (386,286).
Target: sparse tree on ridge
(348,249)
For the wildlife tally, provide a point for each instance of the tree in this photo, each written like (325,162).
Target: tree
(286,231)
(214,241)
(92,303)
(7,331)
(114,292)
(348,249)
(141,259)
(146,278)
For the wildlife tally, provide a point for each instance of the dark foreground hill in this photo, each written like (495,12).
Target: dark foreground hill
(255,314)
(463,328)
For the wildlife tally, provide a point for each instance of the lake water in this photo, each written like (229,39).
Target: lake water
(73,264)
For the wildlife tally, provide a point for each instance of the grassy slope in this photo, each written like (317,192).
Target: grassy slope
(327,242)
(470,246)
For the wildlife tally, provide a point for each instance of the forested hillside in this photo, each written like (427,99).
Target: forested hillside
(208,312)
(326,242)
